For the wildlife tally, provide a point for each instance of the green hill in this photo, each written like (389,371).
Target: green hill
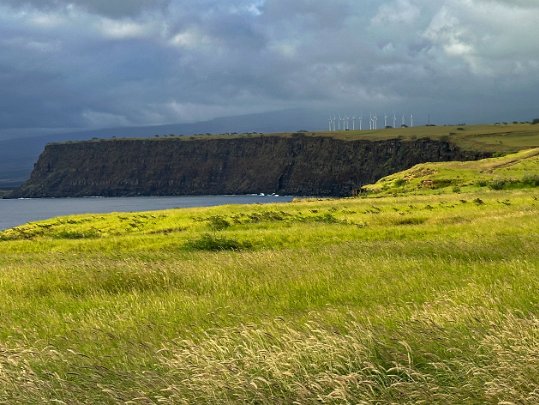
(486,138)
(415,299)
(518,170)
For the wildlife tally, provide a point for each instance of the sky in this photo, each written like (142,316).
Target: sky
(102,63)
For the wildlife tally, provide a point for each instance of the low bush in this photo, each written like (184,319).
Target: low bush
(218,223)
(400,182)
(214,243)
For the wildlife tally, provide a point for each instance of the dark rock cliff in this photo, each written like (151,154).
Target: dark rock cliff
(296,165)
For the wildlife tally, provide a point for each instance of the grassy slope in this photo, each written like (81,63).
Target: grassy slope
(518,170)
(391,299)
(488,138)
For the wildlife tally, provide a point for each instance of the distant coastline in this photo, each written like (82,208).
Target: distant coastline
(5,191)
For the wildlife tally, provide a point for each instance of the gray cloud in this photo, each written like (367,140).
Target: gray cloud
(103,63)
(115,8)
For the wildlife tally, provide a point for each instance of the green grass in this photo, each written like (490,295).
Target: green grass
(487,138)
(408,299)
(514,171)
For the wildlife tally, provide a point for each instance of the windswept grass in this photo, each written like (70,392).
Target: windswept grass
(410,299)
(514,171)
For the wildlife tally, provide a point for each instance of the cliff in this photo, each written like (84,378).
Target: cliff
(290,165)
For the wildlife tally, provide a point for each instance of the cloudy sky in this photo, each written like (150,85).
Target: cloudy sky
(107,63)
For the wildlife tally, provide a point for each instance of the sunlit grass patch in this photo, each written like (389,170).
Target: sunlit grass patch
(430,298)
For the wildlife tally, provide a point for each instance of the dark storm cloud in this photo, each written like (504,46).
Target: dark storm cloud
(110,63)
(111,8)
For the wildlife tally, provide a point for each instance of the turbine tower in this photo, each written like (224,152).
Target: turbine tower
(411,120)
(360,122)
(394,120)
(354,123)
(385,120)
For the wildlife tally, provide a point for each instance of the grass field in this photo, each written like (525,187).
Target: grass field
(409,299)
(487,138)
(513,171)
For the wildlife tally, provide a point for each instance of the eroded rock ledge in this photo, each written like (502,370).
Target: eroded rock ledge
(293,165)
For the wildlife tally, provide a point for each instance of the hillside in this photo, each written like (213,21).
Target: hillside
(519,170)
(486,138)
(432,298)
(422,298)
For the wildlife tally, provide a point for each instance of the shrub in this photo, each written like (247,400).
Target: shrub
(400,182)
(535,121)
(531,180)
(216,243)
(218,223)
(498,184)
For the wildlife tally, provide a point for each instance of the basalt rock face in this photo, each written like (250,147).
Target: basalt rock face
(296,165)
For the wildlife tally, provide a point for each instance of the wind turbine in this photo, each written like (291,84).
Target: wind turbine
(411,120)
(403,121)
(353,123)
(394,120)
(361,122)
(385,120)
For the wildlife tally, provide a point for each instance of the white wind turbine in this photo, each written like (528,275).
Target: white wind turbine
(411,120)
